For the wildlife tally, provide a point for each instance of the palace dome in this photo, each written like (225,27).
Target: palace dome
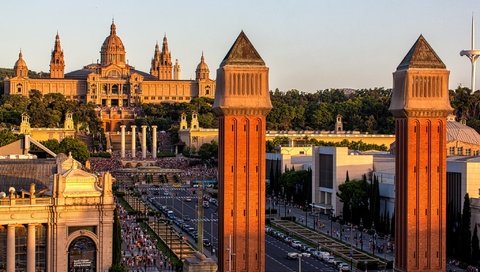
(112,50)
(202,69)
(20,62)
(457,131)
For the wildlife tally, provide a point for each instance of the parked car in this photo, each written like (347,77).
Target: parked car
(295,244)
(343,267)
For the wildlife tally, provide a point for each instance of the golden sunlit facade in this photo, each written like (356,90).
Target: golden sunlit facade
(112,81)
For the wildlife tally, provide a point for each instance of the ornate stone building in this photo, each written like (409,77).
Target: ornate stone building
(54,216)
(112,81)
(420,105)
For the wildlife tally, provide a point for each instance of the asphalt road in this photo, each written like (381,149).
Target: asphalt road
(276,250)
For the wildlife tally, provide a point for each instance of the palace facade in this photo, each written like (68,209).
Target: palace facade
(112,81)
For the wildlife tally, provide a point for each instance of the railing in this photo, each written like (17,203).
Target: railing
(25,201)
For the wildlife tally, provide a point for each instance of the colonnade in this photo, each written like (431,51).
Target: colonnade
(144,141)
(30,247)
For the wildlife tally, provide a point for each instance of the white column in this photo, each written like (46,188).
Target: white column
(144,142)
(122,148)
(31,248)
(133,140)
(154,142)
(11,248)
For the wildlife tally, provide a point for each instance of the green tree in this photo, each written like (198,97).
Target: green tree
(7,137)
(77,147)
(465,233)
(116,241)
(475,247)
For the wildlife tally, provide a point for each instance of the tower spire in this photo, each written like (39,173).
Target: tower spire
(57,61)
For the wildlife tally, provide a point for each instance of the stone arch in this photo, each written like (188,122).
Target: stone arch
(82,259)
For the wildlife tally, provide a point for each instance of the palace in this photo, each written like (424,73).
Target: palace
(113,82)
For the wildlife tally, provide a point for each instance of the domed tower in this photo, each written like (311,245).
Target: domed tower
(202,71)
(57,62)
(242,101)
(21,69)
(113,51)
(155,67)
(165,61)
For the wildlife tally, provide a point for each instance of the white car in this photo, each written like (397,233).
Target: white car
(295,244)
(343,267)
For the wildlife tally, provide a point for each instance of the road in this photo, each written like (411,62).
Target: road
(275,250)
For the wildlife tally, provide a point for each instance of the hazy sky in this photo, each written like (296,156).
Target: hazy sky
(308,45)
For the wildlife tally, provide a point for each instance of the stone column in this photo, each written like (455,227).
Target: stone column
(133,140)
(11,248)
(144,142)
(122,148)
(31,248)
(154,142)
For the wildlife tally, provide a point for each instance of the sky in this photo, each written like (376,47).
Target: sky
(308,45)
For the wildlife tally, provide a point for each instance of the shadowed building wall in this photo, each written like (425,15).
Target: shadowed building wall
(242,102)
(420,105)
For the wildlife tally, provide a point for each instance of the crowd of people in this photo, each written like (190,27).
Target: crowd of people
(139,252)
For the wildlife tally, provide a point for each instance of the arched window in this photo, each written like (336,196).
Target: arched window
(19,88)
(82,255)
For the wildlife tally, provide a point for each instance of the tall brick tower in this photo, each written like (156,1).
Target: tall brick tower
(242,101)
(420,105)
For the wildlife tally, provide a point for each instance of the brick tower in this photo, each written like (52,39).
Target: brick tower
(242,101)
(420,105)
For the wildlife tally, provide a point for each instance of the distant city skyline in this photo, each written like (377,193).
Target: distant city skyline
(308,45)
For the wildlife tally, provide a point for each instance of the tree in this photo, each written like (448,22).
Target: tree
(117,240)
(78,148)
(475,247)
(7,137)
(465,233)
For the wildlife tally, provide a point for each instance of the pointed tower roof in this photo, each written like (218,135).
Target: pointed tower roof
(242,52)
(421,55)
(165,43)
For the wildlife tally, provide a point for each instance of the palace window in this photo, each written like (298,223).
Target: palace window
(468,152)
(19,88)
(115,89)
(460,151)
(451,150)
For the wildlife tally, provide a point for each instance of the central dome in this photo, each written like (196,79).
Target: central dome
(113,51)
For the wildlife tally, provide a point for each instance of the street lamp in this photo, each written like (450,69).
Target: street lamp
(306,213)
(332,211)
(299,257)
(361,234)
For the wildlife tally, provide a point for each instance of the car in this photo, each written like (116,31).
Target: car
(292,255)
(343,267)
(206,204)
(190,229)
(186,218)
(165,193)
(330,260)
(295,244)
(288,239)
(188,199)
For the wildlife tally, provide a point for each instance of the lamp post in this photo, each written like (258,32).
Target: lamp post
(373,238)
(361,234)
(332,211)
(306,213)
(299,257)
